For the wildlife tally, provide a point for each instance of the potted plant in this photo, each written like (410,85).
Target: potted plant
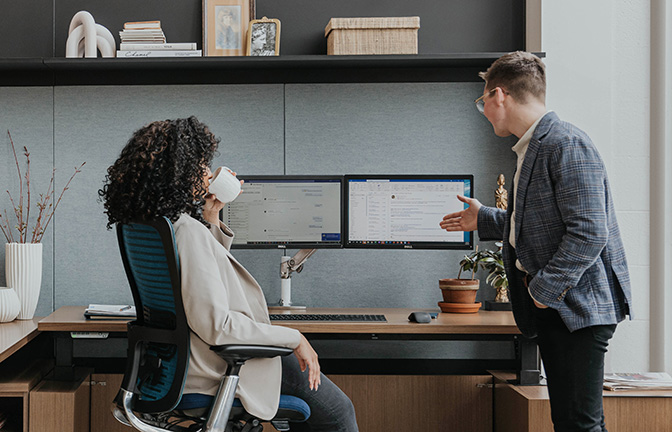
(462,290)
(493,263)
(23,251)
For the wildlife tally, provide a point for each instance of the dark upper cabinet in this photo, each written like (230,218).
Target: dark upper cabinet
(456,40)
(26,28)
(180,19)
(39,28)
(446,26)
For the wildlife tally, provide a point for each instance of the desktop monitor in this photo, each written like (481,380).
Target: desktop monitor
(287,212)
(404,211)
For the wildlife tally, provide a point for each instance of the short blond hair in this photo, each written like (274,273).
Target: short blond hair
(520,73)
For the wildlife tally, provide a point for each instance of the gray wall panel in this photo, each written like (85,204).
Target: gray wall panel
(421,128)
(94,123)
(327,129)
(28,113)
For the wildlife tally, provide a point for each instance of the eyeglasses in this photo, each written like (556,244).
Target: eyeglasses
(480,102)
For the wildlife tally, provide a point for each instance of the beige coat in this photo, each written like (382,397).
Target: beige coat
(225,305)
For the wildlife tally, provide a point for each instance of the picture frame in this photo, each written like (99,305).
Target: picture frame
(225,25)
(263,37)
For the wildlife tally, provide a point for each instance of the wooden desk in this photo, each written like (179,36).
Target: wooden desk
(484,326)
(19,374)
(71,318)
(430,401)
(16,334)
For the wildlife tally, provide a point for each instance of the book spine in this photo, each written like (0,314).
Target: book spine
(142,24)
(158,53)
(155,47)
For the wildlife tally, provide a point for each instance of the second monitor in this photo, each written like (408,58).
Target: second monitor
(287,212)
(404,211)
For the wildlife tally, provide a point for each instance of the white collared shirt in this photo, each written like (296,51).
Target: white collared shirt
(520,149)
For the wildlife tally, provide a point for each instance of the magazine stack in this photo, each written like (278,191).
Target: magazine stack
(146,39)
(638,381)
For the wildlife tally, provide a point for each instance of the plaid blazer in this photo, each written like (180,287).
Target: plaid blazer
(567,236)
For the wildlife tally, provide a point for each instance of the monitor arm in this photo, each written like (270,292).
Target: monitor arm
(287,266)
(295,263)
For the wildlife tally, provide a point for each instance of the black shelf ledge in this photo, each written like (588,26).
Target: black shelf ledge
(456,67)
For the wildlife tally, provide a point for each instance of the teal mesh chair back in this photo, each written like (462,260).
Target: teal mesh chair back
(158,340)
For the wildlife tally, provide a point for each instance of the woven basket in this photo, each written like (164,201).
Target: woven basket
(370,36)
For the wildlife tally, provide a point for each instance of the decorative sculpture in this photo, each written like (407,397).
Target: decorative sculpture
(501,194)
(501,202)
(86,38)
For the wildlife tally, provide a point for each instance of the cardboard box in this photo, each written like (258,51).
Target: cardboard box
(369,36)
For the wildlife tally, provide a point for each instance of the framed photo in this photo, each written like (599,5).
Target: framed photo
(225,25)
(263,37)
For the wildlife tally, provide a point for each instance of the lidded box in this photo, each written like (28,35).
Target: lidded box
(353,36)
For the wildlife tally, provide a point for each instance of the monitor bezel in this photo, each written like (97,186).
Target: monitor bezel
(293,245)
(417,245)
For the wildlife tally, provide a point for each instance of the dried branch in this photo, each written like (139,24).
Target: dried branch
(25,152)
(50,215)
(18,211)
(45,205)
(42,205)
(5,228)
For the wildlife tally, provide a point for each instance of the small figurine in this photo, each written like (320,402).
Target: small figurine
(501,194)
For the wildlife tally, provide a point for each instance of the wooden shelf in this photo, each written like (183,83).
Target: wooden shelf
(455,67)
(17,379)
(527,408)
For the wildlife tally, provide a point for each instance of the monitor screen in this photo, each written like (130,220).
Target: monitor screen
(287,212)
(404,211)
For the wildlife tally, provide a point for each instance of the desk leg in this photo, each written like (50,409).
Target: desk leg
(528,352)
(64,369)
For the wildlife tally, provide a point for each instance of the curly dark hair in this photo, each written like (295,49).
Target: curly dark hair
(160,173)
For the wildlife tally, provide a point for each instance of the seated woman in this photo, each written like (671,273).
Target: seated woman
(164,170)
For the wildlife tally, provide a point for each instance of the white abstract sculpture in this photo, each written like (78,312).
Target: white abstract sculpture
(85,38)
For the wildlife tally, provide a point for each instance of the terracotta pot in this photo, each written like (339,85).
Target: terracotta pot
(459,290)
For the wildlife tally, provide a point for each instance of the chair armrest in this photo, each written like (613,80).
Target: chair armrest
(242,353)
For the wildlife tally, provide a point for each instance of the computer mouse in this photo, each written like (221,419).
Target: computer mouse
(420,317)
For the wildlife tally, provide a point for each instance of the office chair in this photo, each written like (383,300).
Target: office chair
(150,398)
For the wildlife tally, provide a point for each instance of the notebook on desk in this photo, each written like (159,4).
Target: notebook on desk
(107,312)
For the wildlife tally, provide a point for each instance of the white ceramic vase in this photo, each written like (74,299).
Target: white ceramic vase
(23,269)
(9,304)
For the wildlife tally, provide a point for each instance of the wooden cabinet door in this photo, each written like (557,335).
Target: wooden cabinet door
(104,388)
(60,406)
(386,403)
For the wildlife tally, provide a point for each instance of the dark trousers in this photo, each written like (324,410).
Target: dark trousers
(330,409)
(574,364)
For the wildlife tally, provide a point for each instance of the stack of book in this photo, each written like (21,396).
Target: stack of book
(638,381)
(106,311)
(146,39)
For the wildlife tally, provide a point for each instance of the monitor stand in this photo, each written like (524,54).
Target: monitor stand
(287,266)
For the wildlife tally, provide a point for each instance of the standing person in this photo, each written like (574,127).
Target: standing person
(164,170)
(562,250)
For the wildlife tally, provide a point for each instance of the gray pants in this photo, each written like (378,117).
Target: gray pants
(331,410)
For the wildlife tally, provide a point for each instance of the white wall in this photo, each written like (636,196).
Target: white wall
(597,58)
